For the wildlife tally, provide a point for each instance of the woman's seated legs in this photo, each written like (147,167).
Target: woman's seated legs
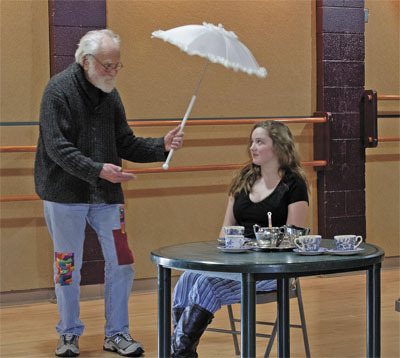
(196,298)
(209,292)
(182,289)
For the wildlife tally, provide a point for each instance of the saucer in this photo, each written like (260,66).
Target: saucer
(232,250)
(345,252)
(320,251)
(221,241)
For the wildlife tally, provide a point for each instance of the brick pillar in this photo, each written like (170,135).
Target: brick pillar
(69,20)
(340,85)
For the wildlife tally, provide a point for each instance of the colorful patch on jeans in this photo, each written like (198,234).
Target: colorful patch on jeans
(64,266)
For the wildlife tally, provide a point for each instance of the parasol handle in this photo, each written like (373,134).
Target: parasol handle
(188,110)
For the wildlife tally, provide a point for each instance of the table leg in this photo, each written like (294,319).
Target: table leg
(248,319)
(164,312)
(374,311)
(283,317)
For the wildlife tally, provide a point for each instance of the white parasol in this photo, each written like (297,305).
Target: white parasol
(216,45)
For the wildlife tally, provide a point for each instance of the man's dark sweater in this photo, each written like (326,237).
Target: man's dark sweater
(81,128)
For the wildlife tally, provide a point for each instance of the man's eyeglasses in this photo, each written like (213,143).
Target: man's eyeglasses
(109,66)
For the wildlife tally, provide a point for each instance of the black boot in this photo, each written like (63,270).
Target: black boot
(176,316)
(185,339)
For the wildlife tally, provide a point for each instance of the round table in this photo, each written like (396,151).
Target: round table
(253,266)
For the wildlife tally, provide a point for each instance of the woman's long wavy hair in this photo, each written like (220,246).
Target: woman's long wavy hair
(285,150)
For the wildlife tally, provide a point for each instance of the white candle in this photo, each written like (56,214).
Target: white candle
(269,219)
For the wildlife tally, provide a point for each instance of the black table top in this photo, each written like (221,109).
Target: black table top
(204,256)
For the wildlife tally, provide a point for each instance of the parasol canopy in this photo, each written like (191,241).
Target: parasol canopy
(216,45)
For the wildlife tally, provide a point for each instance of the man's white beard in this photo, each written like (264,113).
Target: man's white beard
(105,83)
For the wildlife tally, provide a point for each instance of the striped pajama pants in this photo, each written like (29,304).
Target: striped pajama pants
(211,293)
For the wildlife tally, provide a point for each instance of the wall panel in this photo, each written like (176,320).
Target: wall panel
(382,74)
(158,79)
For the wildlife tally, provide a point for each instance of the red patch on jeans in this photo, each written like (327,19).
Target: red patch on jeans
(124,254)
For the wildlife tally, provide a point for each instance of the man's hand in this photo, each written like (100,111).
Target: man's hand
(173,139)
(114,174)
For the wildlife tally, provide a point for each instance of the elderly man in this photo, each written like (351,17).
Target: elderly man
(83,137)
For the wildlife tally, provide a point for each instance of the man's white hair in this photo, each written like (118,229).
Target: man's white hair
(91,42)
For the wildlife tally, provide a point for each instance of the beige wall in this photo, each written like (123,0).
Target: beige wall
(160,79)
(382,72)
(25,248)
(24,58)
(157,82)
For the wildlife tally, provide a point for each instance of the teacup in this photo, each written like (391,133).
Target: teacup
(234,241)
(308,242)
(233,230)
(266,236)
(347,242)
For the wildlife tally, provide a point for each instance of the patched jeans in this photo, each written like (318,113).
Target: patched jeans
(66,224)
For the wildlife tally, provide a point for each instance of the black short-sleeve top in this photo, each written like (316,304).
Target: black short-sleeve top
(290,189)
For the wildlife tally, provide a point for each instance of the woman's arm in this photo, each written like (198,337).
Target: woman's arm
(229,219)
(297,213)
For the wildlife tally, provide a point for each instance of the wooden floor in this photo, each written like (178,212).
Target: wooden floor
(334,308)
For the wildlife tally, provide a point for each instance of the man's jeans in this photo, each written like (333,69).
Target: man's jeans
(66,224)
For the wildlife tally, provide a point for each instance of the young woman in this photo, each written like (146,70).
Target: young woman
(272,182)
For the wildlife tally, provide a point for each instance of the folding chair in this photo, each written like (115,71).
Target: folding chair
(268,297)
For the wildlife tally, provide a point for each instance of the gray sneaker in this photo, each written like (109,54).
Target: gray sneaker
(68,346)
(123,344)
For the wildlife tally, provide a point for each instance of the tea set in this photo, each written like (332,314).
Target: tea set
(286,238)
(344,245)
